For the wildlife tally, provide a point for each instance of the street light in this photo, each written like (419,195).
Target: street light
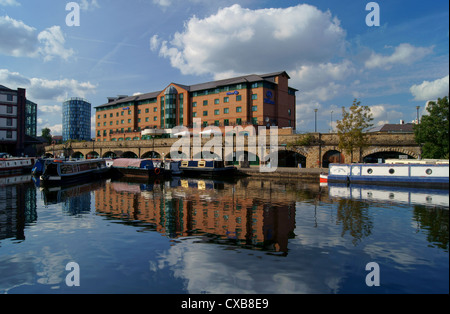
(418,107)
(315,120)
(331,122)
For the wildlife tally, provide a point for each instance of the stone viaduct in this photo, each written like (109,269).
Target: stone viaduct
(314,150)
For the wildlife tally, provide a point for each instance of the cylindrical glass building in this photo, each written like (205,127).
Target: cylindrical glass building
(76,120)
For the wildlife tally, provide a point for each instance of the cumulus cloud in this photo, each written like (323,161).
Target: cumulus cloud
(12,3)
(403,54)
(21,40)
(431,90)
(241,40)
(47,90)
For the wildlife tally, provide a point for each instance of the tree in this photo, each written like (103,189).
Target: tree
(432,132)
(351,129)
(46,133)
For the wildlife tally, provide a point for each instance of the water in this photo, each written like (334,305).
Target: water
(199,236)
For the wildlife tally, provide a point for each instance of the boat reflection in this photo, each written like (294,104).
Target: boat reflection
(390,195)
(217,211)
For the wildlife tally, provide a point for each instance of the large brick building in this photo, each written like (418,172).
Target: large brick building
(259,100)
(18,118)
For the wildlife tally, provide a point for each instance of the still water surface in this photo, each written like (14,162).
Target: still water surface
(200,236)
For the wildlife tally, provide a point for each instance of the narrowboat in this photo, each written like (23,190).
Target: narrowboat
(13,165)
(69,171)
(137,168)
(430,175)
(206,168)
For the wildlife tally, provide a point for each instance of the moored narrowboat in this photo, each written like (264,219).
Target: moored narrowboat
(58,171)
(13,165)
(432,175)
(206,168)
(137,168)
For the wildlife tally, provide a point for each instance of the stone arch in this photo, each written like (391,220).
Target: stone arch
(129,155)
(291,158)
(77,155)
(151,154)
(109,155)
(92,155)
(332,156)
(398,150)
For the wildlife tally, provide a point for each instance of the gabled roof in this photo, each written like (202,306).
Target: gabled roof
(2,87)
(252,78)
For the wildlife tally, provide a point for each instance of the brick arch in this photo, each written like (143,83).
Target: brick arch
(389,149)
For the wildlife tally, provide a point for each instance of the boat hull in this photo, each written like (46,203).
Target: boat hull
(406,175)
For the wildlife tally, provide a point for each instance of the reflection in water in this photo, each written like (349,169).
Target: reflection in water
(220,211)
(17,206)
(249,236)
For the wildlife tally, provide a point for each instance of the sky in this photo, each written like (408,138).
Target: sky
(331,50)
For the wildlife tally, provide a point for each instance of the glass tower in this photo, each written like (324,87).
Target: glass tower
(76,120)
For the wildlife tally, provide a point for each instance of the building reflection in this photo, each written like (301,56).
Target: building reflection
(17,206)
(224,213)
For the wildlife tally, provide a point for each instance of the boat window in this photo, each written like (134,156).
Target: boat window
(369,171)
(429,171)
(391,171)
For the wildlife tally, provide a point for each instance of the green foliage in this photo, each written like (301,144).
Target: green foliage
(433,131)
(304,140)
(46,133)
(351,129)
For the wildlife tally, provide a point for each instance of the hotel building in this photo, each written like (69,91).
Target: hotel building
(259,100)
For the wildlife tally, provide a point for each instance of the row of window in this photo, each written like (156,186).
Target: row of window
(225,111)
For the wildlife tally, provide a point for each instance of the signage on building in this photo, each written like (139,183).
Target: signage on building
(233,93)
(268,99)
(126,108)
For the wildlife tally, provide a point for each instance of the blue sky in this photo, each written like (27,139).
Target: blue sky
(139,46)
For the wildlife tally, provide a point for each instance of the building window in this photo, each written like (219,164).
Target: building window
(194,104)
(255,121)
(216,123)
(147,110)
(129,120)
(254,108)
(194,114)
(239,121)
(155,118)
(99,117)
(238,97)
(122,121)
(155,109)
(216,101)
(9,122)
(146,119)
(254,96)
(9,97)
(289,112)
(226,122)
(205,103)
(226,99)
(139,111)
(9,109)
(226,110)
(110,115)
(238,109)
(216,112)
(205,113)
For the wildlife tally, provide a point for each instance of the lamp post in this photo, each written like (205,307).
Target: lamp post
(331,122)
(315,120)
(418,107)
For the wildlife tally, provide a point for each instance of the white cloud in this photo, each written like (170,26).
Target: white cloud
(12,3)
(89,6)
(52,40)
(431,90)
(17,38)
(21,40)
(47,90)
(238,40)
(403,54)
